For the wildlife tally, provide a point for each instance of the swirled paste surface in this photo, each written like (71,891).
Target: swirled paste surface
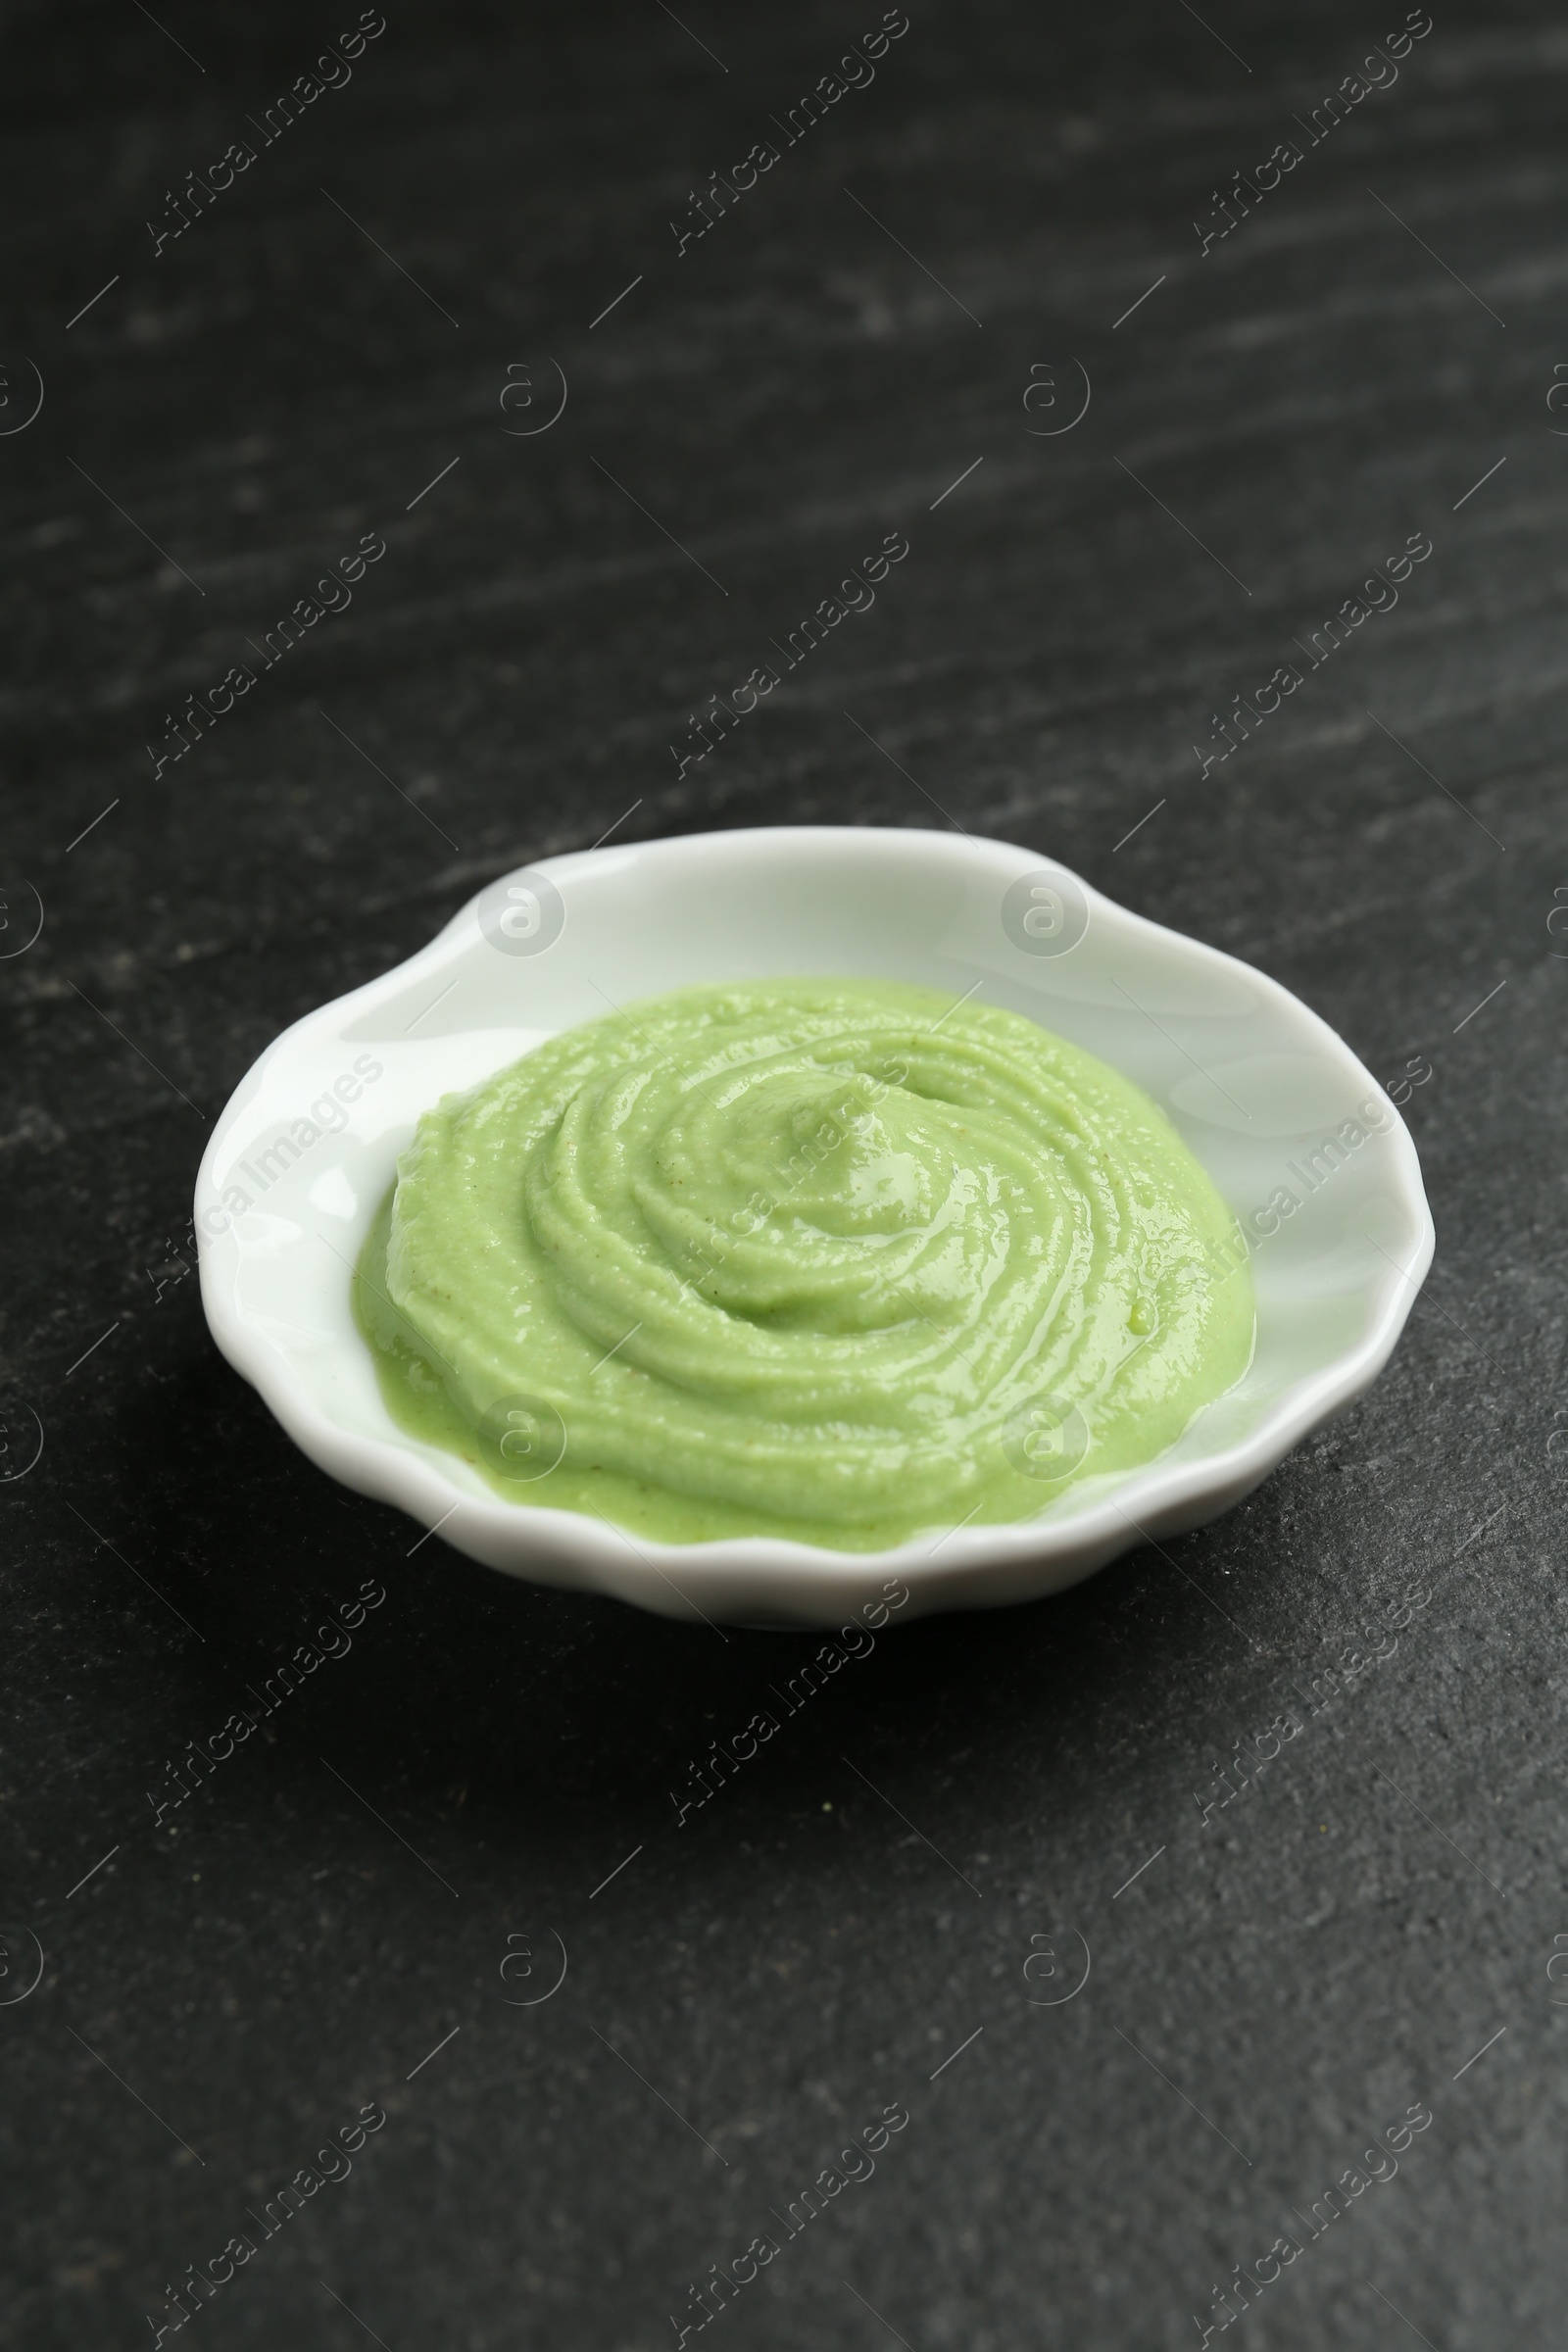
(830,1258)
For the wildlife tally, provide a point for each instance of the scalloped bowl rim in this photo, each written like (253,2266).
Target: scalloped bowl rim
(767,1579)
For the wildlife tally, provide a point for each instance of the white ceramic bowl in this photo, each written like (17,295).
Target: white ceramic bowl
(1298,1137)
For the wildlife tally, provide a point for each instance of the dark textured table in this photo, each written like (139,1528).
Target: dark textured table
(1307,330)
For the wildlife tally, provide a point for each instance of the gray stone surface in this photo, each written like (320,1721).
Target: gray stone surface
(222,1989)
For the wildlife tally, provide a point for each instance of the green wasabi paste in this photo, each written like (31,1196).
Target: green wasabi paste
(835,1259)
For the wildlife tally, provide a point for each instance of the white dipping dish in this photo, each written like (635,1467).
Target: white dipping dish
(1296,1135)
